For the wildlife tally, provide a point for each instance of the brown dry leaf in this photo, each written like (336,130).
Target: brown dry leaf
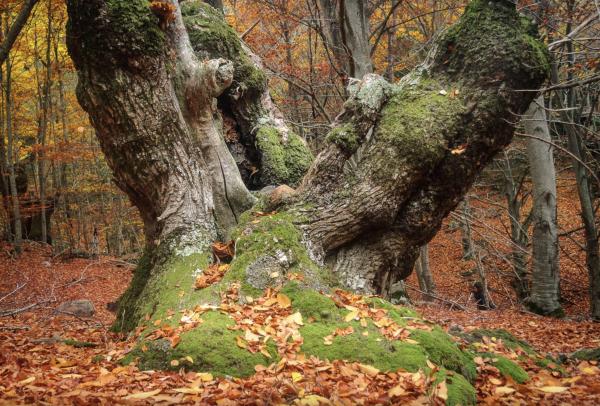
(351,316)
(441,390)
(397,390)
(295,318)
(553,389)
(283,300)
(368,369)
(503,390)
(224,251)
(144,395)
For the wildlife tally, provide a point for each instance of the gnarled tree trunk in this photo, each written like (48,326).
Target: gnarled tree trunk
(399,159)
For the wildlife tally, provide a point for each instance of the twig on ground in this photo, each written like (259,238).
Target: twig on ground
(453,303)
(15,328)
(15,290)
(12,312)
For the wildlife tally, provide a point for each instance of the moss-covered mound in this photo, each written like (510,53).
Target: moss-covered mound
(274,304)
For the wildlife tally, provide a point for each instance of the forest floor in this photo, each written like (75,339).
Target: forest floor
(38,367)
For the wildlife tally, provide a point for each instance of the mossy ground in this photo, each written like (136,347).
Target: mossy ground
(460,391)
(508,368)
(213,345)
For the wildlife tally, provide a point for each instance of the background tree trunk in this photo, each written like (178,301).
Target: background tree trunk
(545,275)
(346,30)
(424,275)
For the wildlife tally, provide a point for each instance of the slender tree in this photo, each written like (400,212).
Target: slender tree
(545,275)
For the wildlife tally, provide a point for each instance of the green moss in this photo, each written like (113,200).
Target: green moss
(96,359)
(399,314)
(587,354)
(489,35)
(283,162)
(373,349)
(212,347)
(401,141)
(123,32)
(444,352)
(157,288)
(460,391)
(345,137)
(507,367)
(312,304)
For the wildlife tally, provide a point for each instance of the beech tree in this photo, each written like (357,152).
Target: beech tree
(157,81)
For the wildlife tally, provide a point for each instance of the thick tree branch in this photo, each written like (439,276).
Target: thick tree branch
(15,29)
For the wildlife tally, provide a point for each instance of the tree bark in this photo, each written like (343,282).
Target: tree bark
(424,275)
(346,32)
(399,159)
(545,275)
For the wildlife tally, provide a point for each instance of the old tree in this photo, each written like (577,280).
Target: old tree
(162,80)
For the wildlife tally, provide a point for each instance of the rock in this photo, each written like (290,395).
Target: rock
(79,308)
(280,195)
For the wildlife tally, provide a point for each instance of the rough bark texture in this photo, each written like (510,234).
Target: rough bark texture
(152,103)
(400,158)
(266,150)
(403,156)
(545,276)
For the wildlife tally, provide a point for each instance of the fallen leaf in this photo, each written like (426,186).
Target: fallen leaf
(295,318)
(397,390)
(351,316)
(368,369)
(503,390)
(283,300)
(553,389)
(143,395)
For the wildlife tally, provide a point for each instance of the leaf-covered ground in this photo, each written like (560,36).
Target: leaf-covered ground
(51,358)
(48,358)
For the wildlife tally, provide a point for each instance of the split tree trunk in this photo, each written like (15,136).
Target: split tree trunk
(399,159)
(545,276)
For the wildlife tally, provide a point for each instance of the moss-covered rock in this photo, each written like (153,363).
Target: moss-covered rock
(460,391)
(374,348)
(445,352)
(507,367)
(509,340)
(212,346)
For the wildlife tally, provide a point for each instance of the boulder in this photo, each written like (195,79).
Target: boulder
(79,308)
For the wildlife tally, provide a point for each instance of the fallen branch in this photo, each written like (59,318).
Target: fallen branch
(7,313)
(15,328)
(19,287)
(454,304)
